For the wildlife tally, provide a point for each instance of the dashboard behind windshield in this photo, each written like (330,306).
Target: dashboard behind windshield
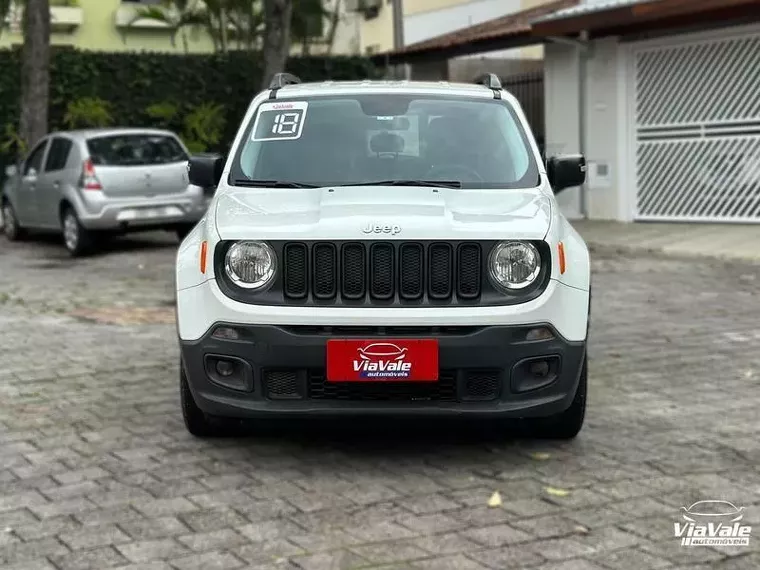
(331,140)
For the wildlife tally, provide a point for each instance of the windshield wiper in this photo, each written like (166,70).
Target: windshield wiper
(429,183)
(272,184)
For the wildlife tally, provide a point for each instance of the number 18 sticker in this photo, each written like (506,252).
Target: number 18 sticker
(281,120)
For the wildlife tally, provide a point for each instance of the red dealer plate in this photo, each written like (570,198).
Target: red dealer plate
(387,360)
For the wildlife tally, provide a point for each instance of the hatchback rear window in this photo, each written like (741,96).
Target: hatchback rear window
(135,150)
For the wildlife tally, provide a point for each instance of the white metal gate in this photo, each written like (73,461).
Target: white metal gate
(696,118)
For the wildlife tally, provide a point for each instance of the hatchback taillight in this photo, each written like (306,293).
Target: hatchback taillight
(89,179)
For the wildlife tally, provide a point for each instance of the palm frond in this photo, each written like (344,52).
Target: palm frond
(152,13)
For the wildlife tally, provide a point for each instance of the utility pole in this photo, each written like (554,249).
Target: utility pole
(398,33)
(398,24)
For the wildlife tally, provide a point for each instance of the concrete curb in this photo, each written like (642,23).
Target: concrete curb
(723,242)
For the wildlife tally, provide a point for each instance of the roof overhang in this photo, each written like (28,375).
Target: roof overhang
(542,24)
(510,31)
(650,16)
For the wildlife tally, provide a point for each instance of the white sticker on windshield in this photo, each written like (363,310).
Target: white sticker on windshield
(279,121)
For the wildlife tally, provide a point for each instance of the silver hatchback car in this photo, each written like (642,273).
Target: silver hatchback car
(87,183)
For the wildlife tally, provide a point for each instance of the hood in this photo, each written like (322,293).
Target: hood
(381,212)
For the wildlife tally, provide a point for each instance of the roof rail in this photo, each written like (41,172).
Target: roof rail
(280,80)
(492,81)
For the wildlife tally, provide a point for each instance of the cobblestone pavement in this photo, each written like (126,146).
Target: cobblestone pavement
(97,471)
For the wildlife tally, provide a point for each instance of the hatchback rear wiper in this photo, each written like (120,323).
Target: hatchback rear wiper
(272,184)
(430,183)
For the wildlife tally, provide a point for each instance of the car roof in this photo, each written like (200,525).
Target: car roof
(386,86)
(83,134)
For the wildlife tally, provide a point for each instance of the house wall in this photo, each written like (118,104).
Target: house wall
(94,27)
(376,34)
(605,126)
(425,19)
(348,32)
(423,25)
(98,31)
(561,113)
(430,71)
(606,123)
(467,69)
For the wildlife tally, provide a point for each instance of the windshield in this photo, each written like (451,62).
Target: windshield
(360,139)
(135,150)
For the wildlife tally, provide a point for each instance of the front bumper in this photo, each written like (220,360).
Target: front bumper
(484,371)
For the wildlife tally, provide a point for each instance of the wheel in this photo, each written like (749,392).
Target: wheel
(567,424)
(198,422)
(11,228)
(183,230)
(76,238)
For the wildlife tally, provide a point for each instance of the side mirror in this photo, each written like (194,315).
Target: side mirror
(205,170)
(566,171)
(10,171)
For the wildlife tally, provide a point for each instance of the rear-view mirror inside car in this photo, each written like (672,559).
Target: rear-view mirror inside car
(382,106)
(386,143)
(393,123)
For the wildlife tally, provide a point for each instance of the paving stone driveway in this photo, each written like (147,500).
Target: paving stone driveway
(97,471)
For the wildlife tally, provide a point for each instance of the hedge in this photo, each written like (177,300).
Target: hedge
(130,83)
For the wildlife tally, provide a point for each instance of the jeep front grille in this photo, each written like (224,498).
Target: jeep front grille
(390,273)
(380,272)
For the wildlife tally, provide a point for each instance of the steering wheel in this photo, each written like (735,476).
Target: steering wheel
(456,170)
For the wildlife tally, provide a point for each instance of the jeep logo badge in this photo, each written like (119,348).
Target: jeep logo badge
(377,229)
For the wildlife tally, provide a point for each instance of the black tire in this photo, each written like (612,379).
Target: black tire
(77,240)
(198,422)
(567,424)
(11,228)
(183,230)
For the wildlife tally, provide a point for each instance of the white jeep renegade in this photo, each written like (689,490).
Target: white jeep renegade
(384,247)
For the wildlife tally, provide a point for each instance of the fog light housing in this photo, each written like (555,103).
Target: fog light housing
(535,373)
(540,369)
(225,368)
(229,372)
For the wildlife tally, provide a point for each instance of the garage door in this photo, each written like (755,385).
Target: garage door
(696,118)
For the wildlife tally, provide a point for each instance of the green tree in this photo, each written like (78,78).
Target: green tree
(217,22)
(35,71)
(178,15)
(204,127)
(162,113)
(87,112)
(334,18)
(276,44)
(247,19)
(308,22)
(5,10)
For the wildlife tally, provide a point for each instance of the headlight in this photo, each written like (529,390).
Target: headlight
(514,265)
(251,264)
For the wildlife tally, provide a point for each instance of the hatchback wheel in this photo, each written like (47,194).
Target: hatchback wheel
(11,227)
(77,239)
